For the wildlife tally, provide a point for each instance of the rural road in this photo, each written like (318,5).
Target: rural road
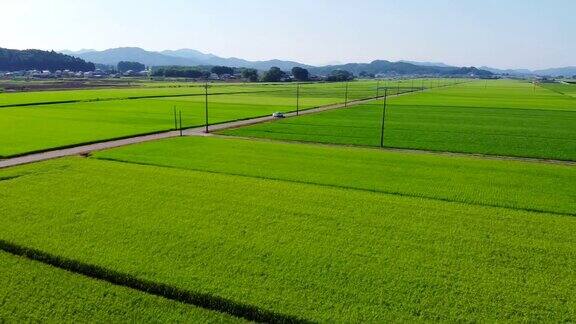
(196,131)
(199,131)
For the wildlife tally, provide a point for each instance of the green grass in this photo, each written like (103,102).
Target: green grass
(314,251)
(20,98)
(36,128)
(568,89)
(26,129)
(357,89)
(531,186)
(34,292)
(492,117)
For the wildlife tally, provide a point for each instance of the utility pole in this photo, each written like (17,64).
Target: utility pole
(206,106)
(180,122)
(422,84)
(378,88)
(346,96)
(175,121)
(383,118)
(398,87)
(297,99)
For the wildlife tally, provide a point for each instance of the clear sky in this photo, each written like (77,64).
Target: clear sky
(498,33)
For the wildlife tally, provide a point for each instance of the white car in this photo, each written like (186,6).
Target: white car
(278,115)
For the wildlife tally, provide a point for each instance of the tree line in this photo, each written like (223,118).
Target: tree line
(274,74)
(16,60)
(124,66)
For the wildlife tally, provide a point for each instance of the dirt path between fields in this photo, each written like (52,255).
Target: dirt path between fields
(195,131)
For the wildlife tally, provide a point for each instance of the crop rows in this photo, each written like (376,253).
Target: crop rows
(26,129)
(32,291)
(315,252)
(537,187)
(496,117)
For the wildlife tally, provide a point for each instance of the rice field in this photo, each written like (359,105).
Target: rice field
(500,117)
(32,291)
(299,220)
(568,89)
(510,184)
(26,129)
(298,250)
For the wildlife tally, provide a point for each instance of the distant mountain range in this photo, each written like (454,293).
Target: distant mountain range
(191,57)
(401,68)
(562,71)
(568,71)
(427,63)
(565,71)
(183,57)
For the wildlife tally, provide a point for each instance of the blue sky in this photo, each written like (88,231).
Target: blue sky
(503,33)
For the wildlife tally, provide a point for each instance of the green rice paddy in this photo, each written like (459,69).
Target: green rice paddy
(568,89)
(512,184)
(488,117)
(314,252)
(42,127)
(223,229)
(32,292)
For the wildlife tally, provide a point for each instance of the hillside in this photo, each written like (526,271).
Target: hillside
(400,68)
(182,57)
(562,71)
(190,57)
(15,60)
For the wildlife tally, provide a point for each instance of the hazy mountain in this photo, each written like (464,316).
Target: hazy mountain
(565,71)
(189,54)
(518,72)
(115,55)
(184,57)
(211,59)
(554,72)
(399,68)
(81,51)
(437,64)
(190,57)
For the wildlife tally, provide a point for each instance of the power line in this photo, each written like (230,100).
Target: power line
(206,106)
(383,117)
(297,99)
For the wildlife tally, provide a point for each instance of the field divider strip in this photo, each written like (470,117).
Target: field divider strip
(203,300)
(132,98)
(554,90)
(399,149)
(97,145)
(293,113)
(385,192)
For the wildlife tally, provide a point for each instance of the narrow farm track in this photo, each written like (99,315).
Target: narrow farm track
(195,131)
(84,149)
(132,98)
